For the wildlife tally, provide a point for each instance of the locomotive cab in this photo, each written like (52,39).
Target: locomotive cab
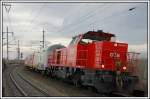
(98,50)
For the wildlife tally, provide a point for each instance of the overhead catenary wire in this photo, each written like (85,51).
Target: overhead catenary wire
(70,27)
(84,18)
(127,13)
(35,17)
(83,22)
(10,22)
(87,15)
(32,21)
(75,27)
(115,15)
(29,15)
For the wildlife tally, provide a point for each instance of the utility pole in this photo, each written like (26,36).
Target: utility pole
(43,41)
(43,38)
(7,10)
(7,42)
(18,51)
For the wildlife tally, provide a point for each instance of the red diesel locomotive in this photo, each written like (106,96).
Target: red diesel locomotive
(95,60)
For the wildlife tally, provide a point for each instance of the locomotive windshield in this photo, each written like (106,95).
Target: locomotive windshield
(93,36)
(74,40)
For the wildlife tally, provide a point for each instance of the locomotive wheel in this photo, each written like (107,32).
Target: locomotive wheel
(76,83)
(53,75)
(76,80)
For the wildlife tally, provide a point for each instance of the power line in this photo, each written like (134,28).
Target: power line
(29,15)
(129,11)
(96,21)
(9,21)
(109,18)
(83,22)
(87,15)
(35,17)
(84,19)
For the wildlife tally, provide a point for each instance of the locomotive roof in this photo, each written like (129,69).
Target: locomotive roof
(98,35)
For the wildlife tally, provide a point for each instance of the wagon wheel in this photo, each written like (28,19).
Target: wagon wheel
(47,72)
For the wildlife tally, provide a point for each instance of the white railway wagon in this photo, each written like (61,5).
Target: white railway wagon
(36,59)
(42,59)
(39,60)
(29,61)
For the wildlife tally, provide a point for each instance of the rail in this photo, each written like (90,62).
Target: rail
(17,86)
(45,93)
(21,90)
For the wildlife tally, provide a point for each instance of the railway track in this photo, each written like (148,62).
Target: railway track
(25,87)
(17,86)
(40,90)
(114,94)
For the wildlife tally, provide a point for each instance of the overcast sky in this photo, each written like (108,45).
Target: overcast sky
(62,21)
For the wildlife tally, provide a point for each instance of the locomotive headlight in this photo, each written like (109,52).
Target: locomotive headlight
(115,44)
(103,66)
(124,68)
